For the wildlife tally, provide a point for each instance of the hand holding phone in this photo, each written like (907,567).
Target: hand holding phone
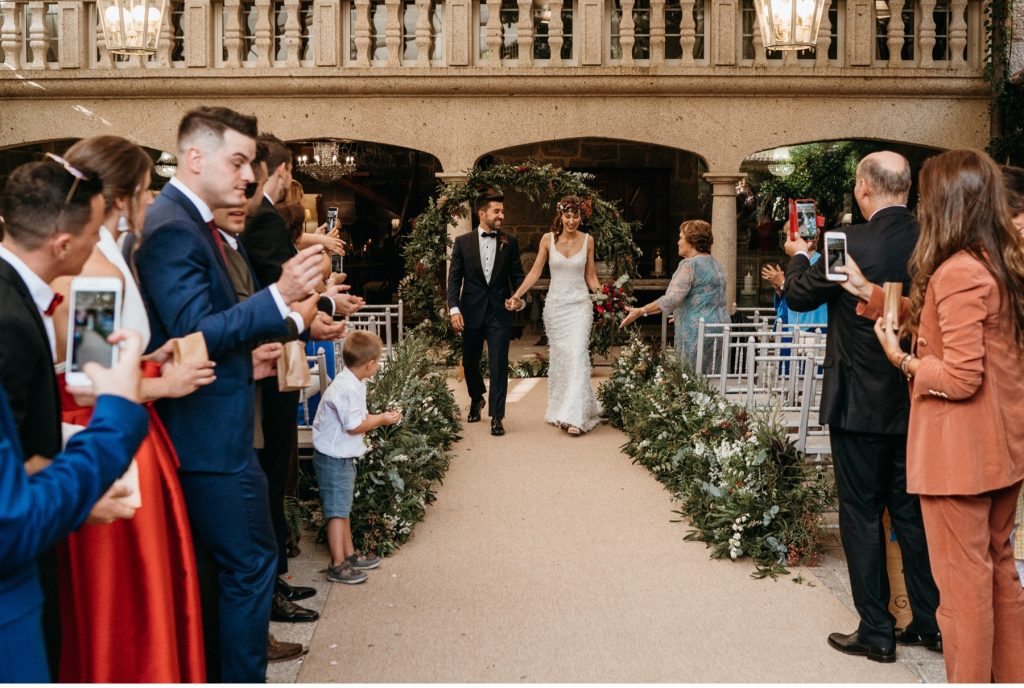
(94,314)
(332,218)
(835,256)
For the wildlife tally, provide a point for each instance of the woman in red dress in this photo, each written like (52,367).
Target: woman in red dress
(130,608)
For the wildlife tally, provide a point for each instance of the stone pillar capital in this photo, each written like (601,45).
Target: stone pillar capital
(721,181)
(452,177)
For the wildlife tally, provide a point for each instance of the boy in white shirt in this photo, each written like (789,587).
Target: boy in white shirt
(341,421)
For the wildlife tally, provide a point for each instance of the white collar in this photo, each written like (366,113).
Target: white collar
(200,204)
(230,238)
(894,205)
(269,199)
(41,292)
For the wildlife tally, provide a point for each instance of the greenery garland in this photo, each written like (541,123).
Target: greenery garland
(740,481)
(1007,108)
(426,253)
(396,477)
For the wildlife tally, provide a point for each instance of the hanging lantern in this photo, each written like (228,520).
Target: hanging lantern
(789,24)
(131,27)
(166,165)
(780,164)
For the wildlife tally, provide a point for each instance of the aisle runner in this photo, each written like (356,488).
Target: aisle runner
(553,558)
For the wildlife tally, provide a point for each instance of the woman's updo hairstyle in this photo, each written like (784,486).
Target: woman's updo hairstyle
(698,234)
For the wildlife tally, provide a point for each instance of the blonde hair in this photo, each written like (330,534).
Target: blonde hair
(360,348)
(698,234)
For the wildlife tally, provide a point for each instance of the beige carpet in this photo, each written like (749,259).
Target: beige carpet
(555,559)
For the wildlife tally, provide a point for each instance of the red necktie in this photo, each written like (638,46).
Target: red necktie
(56,301)
(218,239)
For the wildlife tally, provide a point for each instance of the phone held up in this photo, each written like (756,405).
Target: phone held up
(332,219)
(835,256)
(93,315)
(337,262)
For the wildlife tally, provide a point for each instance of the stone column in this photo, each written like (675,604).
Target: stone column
(723,224)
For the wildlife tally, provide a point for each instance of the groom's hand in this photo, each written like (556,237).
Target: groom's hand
(458,324)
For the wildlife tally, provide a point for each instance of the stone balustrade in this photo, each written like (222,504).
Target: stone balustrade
(715,37)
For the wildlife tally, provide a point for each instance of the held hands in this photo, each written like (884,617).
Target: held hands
(515,303)
(300,274)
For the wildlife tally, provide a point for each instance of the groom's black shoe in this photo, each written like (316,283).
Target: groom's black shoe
(474,410)
(851,645)
(497,429)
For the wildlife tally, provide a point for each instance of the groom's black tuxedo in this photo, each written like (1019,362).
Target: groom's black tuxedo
(482,305)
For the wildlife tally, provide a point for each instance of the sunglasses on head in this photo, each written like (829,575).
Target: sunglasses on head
(78,175)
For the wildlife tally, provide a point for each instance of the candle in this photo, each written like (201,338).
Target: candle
(659,265)
(748,283)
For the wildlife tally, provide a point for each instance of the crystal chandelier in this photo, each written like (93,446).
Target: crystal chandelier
(132,27)
(328,163)
(166,165)
(780,164)
(789,24)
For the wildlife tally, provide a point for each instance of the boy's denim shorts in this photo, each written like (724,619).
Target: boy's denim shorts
(336,478)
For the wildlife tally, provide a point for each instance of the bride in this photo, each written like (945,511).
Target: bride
(568,316)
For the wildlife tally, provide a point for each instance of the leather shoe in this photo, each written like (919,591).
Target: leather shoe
(851,645)
(497,429)
(279,651)
(475,407)
(932,641)
(282,609)
(294,593)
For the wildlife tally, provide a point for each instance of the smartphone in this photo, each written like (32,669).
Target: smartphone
(332,219)
(337,262)
(93,314)
(803,213)
(835,256)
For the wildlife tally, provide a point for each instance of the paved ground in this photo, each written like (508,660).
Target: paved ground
(551,558)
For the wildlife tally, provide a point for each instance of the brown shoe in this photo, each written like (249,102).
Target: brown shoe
(278,651)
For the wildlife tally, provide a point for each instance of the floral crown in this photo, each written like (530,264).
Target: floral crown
(569,207)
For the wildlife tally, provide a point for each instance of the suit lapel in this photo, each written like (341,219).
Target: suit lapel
(474,253)
(500,255)
(203,229)
(11,276)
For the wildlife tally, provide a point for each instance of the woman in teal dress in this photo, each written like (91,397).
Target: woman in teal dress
(696,291)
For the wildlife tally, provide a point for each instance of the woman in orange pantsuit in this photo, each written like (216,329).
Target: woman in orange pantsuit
(965,451)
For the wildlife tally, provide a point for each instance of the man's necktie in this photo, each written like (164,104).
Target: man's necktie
(54,302)
(217,239)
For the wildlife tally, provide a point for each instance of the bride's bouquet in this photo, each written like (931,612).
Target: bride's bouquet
(609,309)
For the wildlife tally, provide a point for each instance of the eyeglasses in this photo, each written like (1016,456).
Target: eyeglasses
(78,175)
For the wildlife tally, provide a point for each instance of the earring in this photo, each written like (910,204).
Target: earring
(122,224)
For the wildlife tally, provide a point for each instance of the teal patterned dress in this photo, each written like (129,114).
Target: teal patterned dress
(697,290)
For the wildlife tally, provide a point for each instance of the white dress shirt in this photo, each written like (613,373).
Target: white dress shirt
(342,408)
(207,215)
(488,252)
(40,291)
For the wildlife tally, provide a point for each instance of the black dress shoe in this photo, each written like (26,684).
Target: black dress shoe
(851,645)
(281,609)
(294,593)
(497,429)
(932,641)
(475,407)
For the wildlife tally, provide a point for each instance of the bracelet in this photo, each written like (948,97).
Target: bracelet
(905,366)
(643,309)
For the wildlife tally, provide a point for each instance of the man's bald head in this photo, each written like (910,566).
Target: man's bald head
(887,174)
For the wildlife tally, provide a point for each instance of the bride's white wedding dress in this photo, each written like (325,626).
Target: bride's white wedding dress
(568,317)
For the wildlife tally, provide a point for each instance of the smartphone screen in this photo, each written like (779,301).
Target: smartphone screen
(835,253)
(94,322)
(332,218)
(337,262)
(807,226)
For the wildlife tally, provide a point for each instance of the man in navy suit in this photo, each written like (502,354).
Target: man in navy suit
(485,271)
(187,288)
(37,511)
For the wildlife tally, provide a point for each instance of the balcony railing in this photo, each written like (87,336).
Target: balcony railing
(430,34)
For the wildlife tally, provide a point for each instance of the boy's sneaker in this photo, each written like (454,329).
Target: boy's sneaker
(344,573)
(363,562)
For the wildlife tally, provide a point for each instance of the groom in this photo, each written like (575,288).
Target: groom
(485,270)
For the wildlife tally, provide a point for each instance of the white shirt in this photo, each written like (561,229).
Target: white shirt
(488,252)
(207,215)
(342,408)
(40,291)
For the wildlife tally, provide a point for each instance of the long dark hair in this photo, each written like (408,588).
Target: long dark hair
(963,208)
(121,164)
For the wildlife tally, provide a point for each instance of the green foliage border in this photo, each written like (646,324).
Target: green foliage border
(1007,109)
(422,289)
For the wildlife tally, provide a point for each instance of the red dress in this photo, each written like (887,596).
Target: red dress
(129,590)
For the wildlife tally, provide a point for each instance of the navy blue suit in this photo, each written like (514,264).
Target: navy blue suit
(37,511)
(186,286)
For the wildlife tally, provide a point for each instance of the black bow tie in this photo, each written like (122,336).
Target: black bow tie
(489,235)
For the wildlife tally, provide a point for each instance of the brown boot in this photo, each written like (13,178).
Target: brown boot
(278,651)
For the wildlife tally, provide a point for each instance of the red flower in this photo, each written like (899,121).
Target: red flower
(600,309)
(522,168)
(605,289)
